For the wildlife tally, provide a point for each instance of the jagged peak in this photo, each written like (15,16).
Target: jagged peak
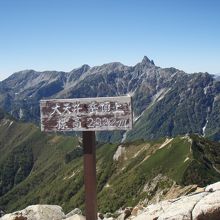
(147,61)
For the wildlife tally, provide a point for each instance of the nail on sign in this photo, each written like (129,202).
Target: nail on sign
(86,114)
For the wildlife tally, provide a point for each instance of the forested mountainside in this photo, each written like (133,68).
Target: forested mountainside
(166,101)
(36,168)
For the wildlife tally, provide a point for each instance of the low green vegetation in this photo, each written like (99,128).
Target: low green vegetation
(36,168)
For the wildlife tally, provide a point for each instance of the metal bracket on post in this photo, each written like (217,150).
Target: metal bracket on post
(89,154)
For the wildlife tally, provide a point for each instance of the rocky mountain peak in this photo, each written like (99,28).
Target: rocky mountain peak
(84,68)
(149,85)
(147,61)
(112,65)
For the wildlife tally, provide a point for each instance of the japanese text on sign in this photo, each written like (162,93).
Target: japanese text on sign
(109,113)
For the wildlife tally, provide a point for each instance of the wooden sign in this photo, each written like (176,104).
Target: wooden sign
(86,114)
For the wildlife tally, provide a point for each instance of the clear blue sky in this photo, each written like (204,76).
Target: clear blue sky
(64,34)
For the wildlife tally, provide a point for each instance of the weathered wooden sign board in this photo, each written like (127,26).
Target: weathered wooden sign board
(86,114)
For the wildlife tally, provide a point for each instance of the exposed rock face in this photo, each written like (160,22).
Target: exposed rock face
(125,214)
(182,208)
(44,212)
(119,153)
(213,187)
(166,101)
(208,207)
(74,212)
(196,206)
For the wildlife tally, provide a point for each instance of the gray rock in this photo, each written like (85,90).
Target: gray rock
(100,216)
(208,207)
(196,206)
(8,217)
(126,213)
(155,210)
(213,187)
(181,209)
(37,212)
(74,212)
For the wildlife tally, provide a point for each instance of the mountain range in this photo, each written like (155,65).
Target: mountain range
(165,155)
(166,101)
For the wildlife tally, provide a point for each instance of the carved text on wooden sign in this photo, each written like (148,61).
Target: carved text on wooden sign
(86,114)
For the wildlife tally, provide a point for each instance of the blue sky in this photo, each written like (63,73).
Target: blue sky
(64,34)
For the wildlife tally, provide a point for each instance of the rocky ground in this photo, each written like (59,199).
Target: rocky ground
(203,204)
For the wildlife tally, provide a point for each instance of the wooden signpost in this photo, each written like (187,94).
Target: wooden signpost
(87,115)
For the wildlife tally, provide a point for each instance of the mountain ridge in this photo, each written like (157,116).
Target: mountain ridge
(168,101)
(39,168)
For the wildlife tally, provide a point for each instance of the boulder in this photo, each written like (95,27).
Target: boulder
(37,212)
(100,216)
(8,217)
(155,210)
(213,187)
(126,213)
(181,209)
(208,207)
(74,212)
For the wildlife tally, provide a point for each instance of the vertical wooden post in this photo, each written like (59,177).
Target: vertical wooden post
(89,150)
